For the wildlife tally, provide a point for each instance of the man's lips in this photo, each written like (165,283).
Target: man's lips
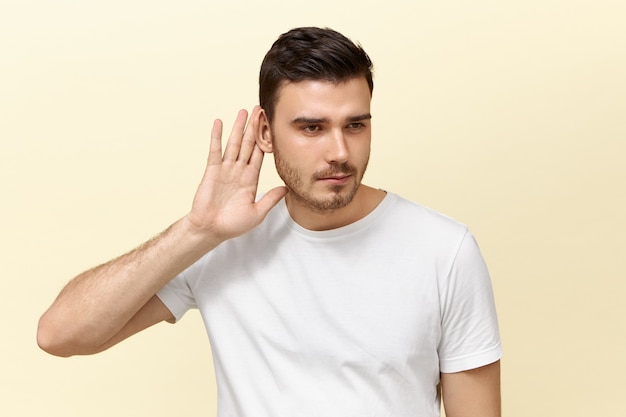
(336,178)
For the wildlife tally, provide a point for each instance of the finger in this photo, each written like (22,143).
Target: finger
(270,199)
(234,140)
(256,159)
(248,141)
(215,148)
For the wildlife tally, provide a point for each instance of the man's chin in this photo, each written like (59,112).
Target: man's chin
(337,200)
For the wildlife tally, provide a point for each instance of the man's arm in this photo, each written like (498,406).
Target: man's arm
(108,303)
(472,393)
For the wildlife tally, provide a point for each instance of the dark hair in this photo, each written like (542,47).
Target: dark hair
(310,53)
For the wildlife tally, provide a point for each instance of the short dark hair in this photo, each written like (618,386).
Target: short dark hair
(310,53)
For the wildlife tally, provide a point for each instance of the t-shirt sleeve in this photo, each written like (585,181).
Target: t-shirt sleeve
(177,296)
(470,336)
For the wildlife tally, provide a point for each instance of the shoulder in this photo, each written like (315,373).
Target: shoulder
(414,217)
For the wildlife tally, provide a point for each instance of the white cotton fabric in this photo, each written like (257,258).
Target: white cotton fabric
(356,321)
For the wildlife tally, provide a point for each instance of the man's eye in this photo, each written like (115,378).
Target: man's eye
(311,129)
(355,126)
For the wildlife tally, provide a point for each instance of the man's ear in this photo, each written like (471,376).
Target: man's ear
(264,136)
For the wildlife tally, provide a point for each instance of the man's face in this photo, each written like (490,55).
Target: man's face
(321,135)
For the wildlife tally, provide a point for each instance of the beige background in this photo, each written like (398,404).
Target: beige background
(509,116)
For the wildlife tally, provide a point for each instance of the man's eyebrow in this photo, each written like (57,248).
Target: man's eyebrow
(315,120)
(309,120)
(366,116)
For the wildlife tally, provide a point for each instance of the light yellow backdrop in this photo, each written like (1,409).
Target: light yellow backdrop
(509,116)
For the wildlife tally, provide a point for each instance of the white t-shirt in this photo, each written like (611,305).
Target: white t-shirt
(356,321)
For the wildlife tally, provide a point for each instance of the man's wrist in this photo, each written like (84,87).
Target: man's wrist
(202,239)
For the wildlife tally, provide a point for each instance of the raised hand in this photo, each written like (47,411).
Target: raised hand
(110,302)
(224,205)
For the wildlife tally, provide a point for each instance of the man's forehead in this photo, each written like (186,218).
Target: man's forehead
(313,98)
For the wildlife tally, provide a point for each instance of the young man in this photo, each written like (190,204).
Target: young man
(325,297)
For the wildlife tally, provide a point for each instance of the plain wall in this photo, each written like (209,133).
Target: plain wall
(508,116)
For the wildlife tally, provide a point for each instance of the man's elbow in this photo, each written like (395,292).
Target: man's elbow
(55,339)
(48,341)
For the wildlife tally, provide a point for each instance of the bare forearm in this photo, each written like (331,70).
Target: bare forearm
(110,302)
(95,305)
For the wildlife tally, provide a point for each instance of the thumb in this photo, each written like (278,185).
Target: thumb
(270,199)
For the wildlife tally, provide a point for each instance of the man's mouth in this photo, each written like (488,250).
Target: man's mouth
(335,179)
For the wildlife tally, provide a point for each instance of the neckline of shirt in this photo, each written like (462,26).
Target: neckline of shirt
(356,226)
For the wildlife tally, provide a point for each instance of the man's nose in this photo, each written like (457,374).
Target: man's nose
(336,147)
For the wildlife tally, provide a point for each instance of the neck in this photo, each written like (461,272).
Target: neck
(365,200)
